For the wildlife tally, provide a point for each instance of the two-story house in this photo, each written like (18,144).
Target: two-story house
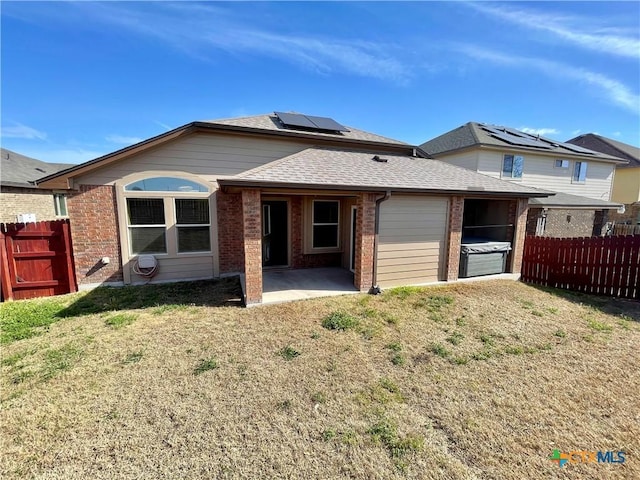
(581,179)
(626,183)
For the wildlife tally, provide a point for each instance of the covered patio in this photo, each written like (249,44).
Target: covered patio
(285,285)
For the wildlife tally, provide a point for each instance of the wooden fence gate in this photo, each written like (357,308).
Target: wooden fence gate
(600,265)
(37,260)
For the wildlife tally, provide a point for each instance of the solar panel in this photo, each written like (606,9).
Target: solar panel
(295,120)
(325,123)
(521,141)
(575,148)
(310,122)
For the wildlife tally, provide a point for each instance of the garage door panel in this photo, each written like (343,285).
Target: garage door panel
(404,246)
(422,260)
(411,240)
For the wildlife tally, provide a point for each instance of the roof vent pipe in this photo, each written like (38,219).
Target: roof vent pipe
(375,289)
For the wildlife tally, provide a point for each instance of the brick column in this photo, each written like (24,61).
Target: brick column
(454,238)
(365,232)
(252,229)
(520,231)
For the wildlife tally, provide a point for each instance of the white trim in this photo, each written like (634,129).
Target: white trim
(335,247)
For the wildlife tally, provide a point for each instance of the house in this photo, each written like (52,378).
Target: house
(286,191)
(582,179)
(20,199)
(626,184)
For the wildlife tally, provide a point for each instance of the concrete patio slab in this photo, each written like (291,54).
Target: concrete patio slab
(287,285)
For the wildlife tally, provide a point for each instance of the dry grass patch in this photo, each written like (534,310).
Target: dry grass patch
(455,382)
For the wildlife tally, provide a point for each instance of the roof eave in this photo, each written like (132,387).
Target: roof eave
(242,183)
(491,146)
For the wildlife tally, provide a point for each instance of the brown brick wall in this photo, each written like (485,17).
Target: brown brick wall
(519,220)
(365,233)
(252,228)
(94,233)
(581,223)
(230,228)
(15,201)
(454,237)
(298,258)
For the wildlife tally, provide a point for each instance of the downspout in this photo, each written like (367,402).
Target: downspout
(375,289)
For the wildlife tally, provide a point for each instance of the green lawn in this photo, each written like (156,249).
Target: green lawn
(480,380)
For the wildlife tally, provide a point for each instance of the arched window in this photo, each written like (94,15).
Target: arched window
(165,184)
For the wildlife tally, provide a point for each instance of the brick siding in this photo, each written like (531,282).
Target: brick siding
(454,237)
(365,234)
(15,201)
(566,223)
(517,217)
(94,234)
(230,229)
(252,228)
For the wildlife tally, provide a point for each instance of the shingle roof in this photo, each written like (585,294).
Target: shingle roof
(473,134)
(565,200)
(18,170)
(609,146)
(271,123)
(347,169)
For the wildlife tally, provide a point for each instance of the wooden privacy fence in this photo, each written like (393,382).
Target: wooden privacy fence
(622,229)
(37,260)
(599,265)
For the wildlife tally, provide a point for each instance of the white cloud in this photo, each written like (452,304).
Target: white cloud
(163,125)
(123,140)
(616,134)
(614,91)
(540,131)
(576,132)
(200,30)
(579,31)
(18,130)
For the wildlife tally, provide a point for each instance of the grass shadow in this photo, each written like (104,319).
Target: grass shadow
(209,293)
(609,305)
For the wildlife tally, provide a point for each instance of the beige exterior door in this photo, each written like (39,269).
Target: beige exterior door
(412,239)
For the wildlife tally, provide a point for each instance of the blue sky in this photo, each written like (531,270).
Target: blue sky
(83,79)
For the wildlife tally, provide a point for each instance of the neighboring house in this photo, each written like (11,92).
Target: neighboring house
(626,184)
(20,199)
(581,178)
(216,198)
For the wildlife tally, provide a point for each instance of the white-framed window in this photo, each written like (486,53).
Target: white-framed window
(60,204)
(579,172)
(512,166)
(193,225)
(564,164)
(167,216)
(147,225)
(325,224)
